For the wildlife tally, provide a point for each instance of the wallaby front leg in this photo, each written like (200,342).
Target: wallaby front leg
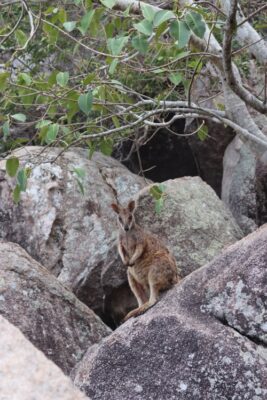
(138,252)
(137,289)
(153,298)
(124,257)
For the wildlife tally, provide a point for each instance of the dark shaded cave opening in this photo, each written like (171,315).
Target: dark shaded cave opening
(176,152)
(163,156)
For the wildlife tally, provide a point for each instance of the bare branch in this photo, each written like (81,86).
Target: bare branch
(246,34)
(231,79)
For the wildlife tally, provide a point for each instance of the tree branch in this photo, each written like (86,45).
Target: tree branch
(230,75)
(246,34)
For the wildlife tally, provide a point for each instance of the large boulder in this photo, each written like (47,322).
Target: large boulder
(71,234)
(74,235)
(244,187)
(49,315)
(194,222)
(205,339)
(238,185)
(209,151)
(25,373)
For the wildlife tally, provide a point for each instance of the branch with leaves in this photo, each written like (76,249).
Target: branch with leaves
(130,64)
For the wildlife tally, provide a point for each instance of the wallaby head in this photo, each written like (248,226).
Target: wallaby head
(126,218)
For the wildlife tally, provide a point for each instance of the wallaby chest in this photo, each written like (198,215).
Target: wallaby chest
(128,242)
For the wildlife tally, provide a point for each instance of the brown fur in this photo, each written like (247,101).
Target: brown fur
(151,267)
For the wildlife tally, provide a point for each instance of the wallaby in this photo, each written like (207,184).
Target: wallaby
(151,267)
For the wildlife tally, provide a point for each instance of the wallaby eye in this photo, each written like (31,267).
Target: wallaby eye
(120,219)
(130,218)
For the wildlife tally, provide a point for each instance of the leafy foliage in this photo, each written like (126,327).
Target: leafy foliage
(78,78)
(82,63)
(158,193)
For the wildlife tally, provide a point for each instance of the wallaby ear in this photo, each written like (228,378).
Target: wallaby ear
(115,208)
(131,205)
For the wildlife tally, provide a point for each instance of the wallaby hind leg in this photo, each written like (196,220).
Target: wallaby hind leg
(153,298)
(137,290)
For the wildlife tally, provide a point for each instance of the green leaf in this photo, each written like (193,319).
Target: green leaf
(156,192)
(140,44)
(19,117)
(80,185)
(159,205)
(6,129)
(51,133)
(162,16)
(126,13)
(116,121)
(108,3)
(145,27)
(162,187)
(12,165)
(158,71)
(85,102)
(62,15)
(25,78)
(16,194)
(21,37)
(51,32)
(115,45)
(69,26)
(91,149)
(196,23)
(62,78)
(86,21)
(203,133)
(22,179)
(176,78)
(80,172)
(183,54)
(106,146)
(89,78)
(3,80)
(44,122)
(109,29)
(113,66)
(148,12)
(180,31)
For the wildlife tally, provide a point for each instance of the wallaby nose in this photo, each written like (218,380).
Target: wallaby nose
(126,228)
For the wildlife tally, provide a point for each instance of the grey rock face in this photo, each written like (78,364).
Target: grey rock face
(238,185)
(205,339)
(25,373)
(70,234)
(244,185)
(193,223)
(50,316)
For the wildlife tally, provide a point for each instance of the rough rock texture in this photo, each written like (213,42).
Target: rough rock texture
(70,234)
(193,223)
(238,185)
(209,153)
(244,188)
(50,316)
(25,373)
(205,339)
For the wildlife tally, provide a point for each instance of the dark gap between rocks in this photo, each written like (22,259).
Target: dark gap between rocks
(168,155)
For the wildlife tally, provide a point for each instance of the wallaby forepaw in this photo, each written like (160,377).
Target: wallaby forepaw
(133,313)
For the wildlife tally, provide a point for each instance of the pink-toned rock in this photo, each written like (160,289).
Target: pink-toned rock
(205,339)
(25,373)
(48,314)
(71,234)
